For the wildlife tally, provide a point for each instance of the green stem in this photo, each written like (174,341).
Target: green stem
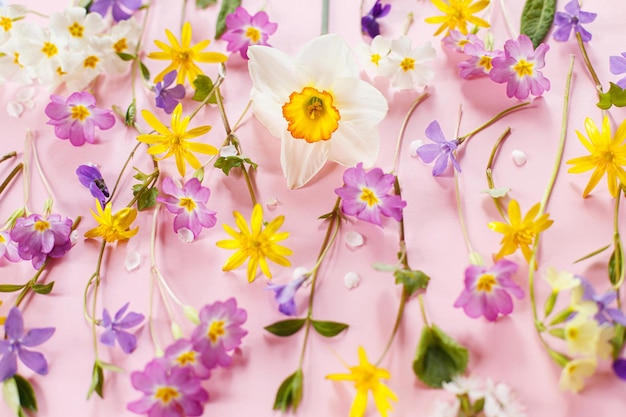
(403,299)
(407,117)
(8,156)
(10,177)
(133,70)
(618,256)
(119,177)
(183,14)
(214,90)
(489,170)
(491,121)
(148,183)
(592,72)
(325,13)
(95,280)
(459,207)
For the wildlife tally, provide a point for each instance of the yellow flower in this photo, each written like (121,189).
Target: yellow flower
(608,155)
(255,243)
(518,232)
(574,374)
(113,227)
(184,56)
(457,13)
(174,141)
(582,334)
(366,377)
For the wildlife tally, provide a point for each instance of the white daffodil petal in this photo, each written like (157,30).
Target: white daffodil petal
(272,72)
(359,101)
(302,160)
(353,144)
(327,58)
(269,112)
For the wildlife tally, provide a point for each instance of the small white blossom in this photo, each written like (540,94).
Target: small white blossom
(411,66)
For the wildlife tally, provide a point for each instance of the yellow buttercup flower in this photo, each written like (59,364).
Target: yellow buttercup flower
(174,141)
(255,243)
(113,227)
(457,14)
(607,155)
(518,232)
(184,56)
(366,377)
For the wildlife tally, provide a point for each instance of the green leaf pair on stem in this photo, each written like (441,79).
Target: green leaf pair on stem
(292,326)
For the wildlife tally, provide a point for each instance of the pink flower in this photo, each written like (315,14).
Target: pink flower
(8,248)
(487,290)
(38,237)
(188,204)
(183,355)
(76,117)
(519,68)
(480,62)
(244,30)
(456,41)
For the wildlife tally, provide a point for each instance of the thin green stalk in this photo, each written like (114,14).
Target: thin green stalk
(403,299)
(18,168)
(491,121)
(183,13)
(133,70)
(407,117)
(592,72)
(95,281)
(8,156)
(459,208)
(618,257)
(489,170)
(119,177)
(325,13)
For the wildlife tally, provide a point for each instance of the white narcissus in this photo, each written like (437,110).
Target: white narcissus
(316,104)
(410,66)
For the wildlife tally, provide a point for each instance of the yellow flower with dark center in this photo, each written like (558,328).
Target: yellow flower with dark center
(175,141)
(184,56)
(310,115)
(457,14)
(607,155)
(366,377)
(518,232)
(113,227)
(255,243)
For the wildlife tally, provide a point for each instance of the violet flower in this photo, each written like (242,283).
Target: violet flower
(122,9)
(183,355)
(486,291)
(77,117)
(244,30)
(572,18)
(16,342)
(167,98)
(605,313)
(617,66)
(89,176)
(8,248)
(115,329)
(519,66)
(441,150)
(168,392)
(285,294)
(619,367)
(369,24)
(366,195)
(188,204)
(39,237)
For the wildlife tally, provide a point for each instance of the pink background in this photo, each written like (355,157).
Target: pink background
(507,350)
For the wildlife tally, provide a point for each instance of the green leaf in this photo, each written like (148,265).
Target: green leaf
(379,266)
(329,328)
(412,280)
(592,254)
(537,19)
(141,176)
(439,358)
(285,327)
(618,340)
(97,380)
(228,7)
(43,288)
(111,367)
(478,406)
(203,4)
(12,396)
(561,316)
(131,114)
(28,400)
(147,199)
(549,305)
(226,163)
(616,96)
(145,72)
(203,86)
(199,174)
(289,393)
(126,57)
(10,287)
(558,332)
(616,265)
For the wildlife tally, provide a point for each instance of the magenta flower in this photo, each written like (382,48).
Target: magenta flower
(365,195)
(115,329)
(572,18)
(479,62)
(487,290)
(519,68)
(285,294)
(219,332)
(77,117)
(183,355)
(441,150)
(188,204)
(243,30)
(166,97)
(8,248)
(173,392)
(369,22)
(617,66)
(16,342)
(457,41)
(38,238)
(121,9)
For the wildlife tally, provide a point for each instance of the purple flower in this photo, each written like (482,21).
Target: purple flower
(168,392)
(39,237)
(114,329)
(183,355)
(441,150)
(285,294)
(89,175)
(619,367)
(365,195)
(617,65)
(480,61)
(16,342)
(605,313)
(573,17)
(188,204)
(167,98)
(77,117)
(8,248)
(122,9)
(244,30)
(457,41)
(487,290)
(369,24)
(219,332)
(519,68)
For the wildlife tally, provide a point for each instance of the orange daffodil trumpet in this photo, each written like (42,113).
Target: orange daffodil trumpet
(316,104)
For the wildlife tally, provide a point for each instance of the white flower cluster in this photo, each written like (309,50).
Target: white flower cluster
(74,48)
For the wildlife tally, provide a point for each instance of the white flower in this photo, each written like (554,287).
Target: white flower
(560,281)
(124,36)
(9,15)
(75,26)
(574,374)
(11,67)
(446,409)
(45,54)
(460,385)
(317,105)
(375,57)
(500,401)
(410,66)
(90,62)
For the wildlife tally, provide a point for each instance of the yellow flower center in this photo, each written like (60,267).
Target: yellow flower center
(572,333)
(485,283)
(311,115)
(80,112)
(2,239)
(184,57)
(120,46)
(187,203)
(16,59)
(166,394)
(375,59)
(41,225)
(76,30)
(462,42)
(6,23)
(49,49)
(407,64)
(523,68)
(186,357)
(369,197)
(485,62)
(253,34)
(60,71)
(525,236)
(216,330)
(91,61)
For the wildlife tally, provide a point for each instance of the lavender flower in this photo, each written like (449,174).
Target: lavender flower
(89,176)
(244,30)
(456,41)
(183,355)
(8,248)
(285,294)
(479,63)
(605,313)
(39,237)
(572,18)
(617,66)
(167,98)
(115,329)
(15,345)
(369,24)
(441,150)
(122,9)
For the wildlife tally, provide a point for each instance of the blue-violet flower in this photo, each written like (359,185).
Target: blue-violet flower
(89,176)
(441,150)
(572,18)
(167,98)
(369,24)
(115,329)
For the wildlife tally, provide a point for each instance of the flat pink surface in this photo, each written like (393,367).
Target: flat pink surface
(507,350)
